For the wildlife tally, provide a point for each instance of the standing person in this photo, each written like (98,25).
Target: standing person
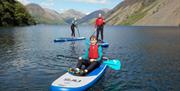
(73,26)
(100,26)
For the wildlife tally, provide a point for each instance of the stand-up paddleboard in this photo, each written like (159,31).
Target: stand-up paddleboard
(69,82)
(69,39)
(103,44)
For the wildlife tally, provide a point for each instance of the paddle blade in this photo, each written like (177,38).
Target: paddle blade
(114,64)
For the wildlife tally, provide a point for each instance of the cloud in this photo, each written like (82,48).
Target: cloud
(61,10)
(24,2)
(45,3)
(93,1)
(87,13)
(48,3)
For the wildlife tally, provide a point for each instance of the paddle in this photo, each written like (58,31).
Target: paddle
(94,32)
(67,56)
(114,64)
(88,40)
(78,31)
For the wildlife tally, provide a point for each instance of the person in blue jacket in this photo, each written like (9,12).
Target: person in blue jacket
(91,59)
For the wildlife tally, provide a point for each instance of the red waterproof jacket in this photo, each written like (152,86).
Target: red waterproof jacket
(100,21)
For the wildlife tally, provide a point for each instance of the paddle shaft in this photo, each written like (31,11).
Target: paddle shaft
(78,31)
(113,64)
(93,32)
(67,56)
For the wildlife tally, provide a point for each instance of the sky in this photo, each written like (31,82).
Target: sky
(85,6)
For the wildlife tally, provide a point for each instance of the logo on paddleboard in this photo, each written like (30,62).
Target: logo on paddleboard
(72,80)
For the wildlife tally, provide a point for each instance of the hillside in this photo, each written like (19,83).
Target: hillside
(44,15)
(166,12)
(145,12)
(14,13)
(69,15)
(90,18)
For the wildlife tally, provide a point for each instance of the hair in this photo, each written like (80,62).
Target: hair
(93,37)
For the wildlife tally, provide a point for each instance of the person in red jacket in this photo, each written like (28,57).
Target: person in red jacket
(91,59)
(100,26)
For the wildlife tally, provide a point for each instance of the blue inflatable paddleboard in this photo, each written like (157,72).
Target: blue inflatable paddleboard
(69,82)
(69,39)
(103,44)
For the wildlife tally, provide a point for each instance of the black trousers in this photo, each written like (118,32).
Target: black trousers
(73,30)
(100,29)
(90,66)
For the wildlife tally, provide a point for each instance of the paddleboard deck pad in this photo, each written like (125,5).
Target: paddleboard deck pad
(69,39)
(69,82)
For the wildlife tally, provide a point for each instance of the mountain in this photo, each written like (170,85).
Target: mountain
(90,18)
(145,12)
(69,15)
(44,15)
(14,13)
(52,14)
(166,12)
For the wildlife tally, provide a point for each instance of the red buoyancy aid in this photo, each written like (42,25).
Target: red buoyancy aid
(99,21)
(93,52)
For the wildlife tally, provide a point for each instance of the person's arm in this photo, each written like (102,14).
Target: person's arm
(85,56)
(72,21)
(76,24)
(99,53)
(104,21)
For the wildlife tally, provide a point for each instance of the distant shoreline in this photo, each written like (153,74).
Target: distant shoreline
(93,25)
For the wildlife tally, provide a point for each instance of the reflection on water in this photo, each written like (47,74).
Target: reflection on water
(31,61)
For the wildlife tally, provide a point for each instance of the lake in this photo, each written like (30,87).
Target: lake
(150,57)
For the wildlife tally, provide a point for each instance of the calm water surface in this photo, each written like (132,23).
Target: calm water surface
(31,61)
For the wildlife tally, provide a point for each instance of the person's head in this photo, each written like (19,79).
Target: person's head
(93,40)
(75,18)
(100,15)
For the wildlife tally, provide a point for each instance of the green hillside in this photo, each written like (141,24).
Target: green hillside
(13,13)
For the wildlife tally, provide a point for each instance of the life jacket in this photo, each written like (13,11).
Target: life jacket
(93,52)
(99,21)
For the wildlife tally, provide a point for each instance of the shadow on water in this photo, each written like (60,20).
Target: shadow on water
(31,61)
